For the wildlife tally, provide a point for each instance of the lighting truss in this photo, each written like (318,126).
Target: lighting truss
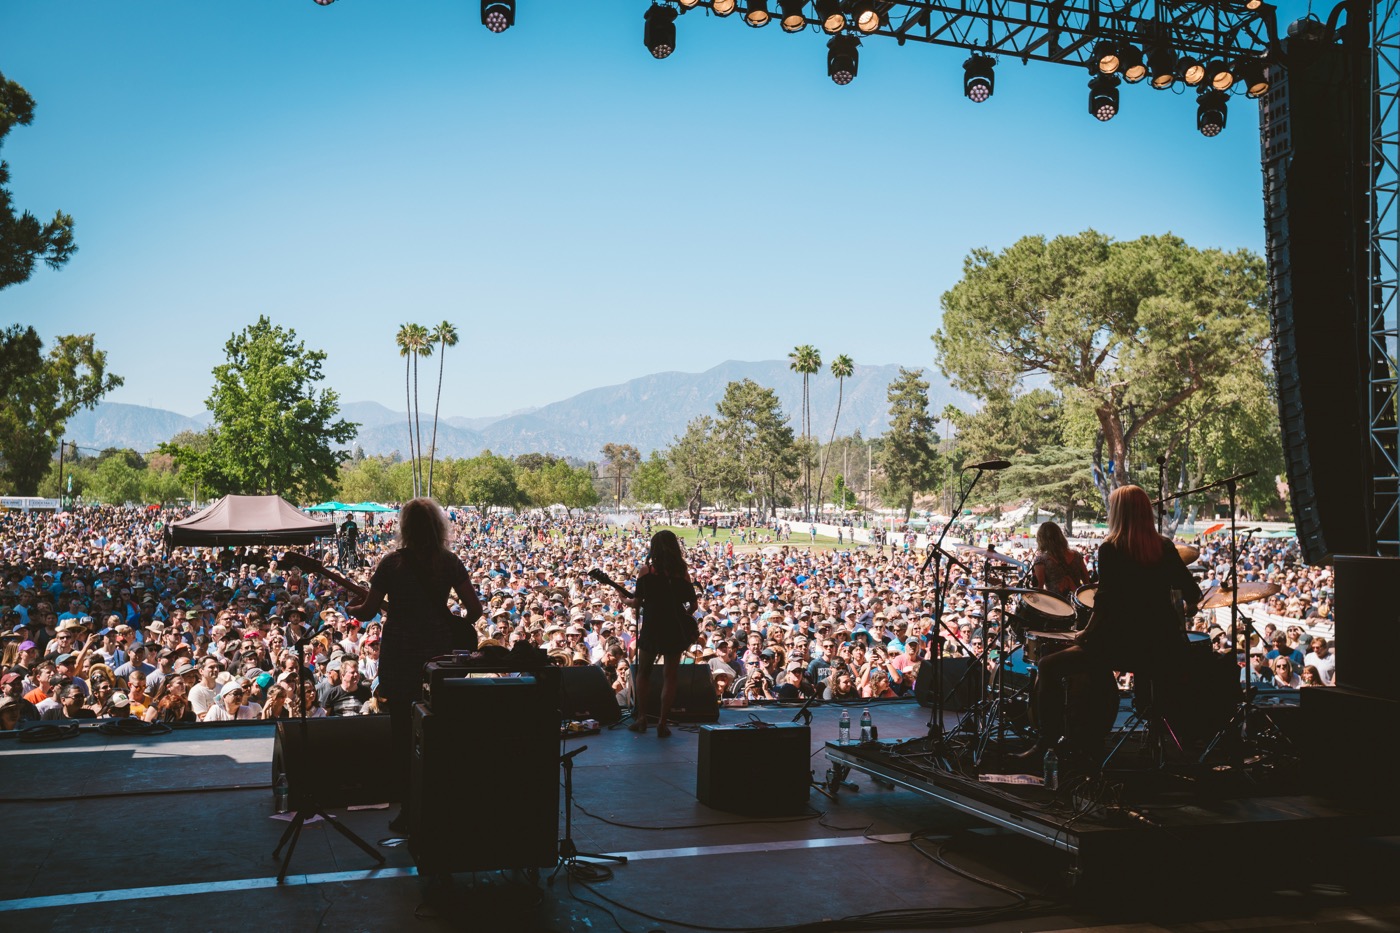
(1064,31)
(1384,345)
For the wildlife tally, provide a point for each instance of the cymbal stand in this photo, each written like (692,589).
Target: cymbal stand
(996,719)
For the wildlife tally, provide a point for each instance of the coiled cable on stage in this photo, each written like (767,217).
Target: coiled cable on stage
(47,732)
(132,728)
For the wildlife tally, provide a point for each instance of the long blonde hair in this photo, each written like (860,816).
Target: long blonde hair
(1051,540)
(1130,525)
(423,526)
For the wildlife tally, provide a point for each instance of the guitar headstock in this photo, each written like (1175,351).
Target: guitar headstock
(599,576)
(301,562)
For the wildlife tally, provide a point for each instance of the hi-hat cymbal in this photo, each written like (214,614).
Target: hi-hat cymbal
(1003,590)
(992,555)
(1189,554)
(1219,598)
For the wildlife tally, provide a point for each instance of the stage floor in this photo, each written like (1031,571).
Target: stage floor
(176,832)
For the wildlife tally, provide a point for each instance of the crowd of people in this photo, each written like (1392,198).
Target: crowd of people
(100,621)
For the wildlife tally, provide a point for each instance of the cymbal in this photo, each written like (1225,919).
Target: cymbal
(1189,554)
(1219,598)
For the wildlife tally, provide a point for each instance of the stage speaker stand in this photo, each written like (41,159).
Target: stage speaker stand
(586,694)
(350,765)
(755,770)
(1368,618)
(958,693)
(484,733)
(696,700)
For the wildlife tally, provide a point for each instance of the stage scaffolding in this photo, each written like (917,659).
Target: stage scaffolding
(1384,261)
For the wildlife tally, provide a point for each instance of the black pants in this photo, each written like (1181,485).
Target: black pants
(1049,698)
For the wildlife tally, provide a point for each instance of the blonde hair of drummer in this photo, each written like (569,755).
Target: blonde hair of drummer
(1131,526)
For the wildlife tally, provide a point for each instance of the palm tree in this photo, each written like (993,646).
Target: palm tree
(444,335)
(806,360)
(841,368)
(422,346)
(405,342)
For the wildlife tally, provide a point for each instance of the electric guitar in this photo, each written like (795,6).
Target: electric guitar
(601,577)
(311,565)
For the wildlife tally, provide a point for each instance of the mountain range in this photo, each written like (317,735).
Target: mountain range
(647,412)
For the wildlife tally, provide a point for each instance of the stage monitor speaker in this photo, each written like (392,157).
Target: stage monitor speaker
(756,771)
(584,693)
(959,686)
(1315,147)
(483,735)
(1347,747)
(1368,619)
(344,759)
(696,700)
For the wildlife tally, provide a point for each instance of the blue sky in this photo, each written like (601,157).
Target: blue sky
(584,213)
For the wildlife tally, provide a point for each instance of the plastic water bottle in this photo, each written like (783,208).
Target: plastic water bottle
(282,792)
(843,730)
(1052,770)
(865,735)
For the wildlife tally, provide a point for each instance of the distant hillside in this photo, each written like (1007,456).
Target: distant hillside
(648,412)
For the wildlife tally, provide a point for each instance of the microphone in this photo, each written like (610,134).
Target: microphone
(989,465)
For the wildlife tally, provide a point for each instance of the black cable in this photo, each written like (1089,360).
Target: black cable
(815,814)
(47,732)
(132,728)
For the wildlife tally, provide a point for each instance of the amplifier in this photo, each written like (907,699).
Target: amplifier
(756,771)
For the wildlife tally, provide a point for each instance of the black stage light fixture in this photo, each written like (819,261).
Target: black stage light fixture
(829,12)
(723,7)
(324,2)
(1192,71)
(1210,112)
(979,79)
(498,15)
(688,4)
(1105,57)
(842,58)
(1219,76)
(758,14)
(1254,72)
(1103,97)
(1130,64)
(867,17)
(659,33)
(1161,62)
(794,20)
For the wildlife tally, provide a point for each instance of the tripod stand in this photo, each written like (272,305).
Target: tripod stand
(307,806)
(568,852)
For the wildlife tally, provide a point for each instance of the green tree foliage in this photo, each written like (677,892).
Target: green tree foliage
(1059,477)
(273,430)
(757,457)
(1126,331)
(806,360)
(116,482)
(844,497)
(619,462)
(24,241)
(39,392)
(842,367)
(695,463)
(488,480)
(910,455)
(546,480)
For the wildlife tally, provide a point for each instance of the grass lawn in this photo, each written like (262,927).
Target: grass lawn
(690,535)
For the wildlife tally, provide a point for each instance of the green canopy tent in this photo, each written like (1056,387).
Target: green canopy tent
(331,506)
(368,507)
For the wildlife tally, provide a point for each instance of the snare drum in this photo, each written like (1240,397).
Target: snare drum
(1040,645)
(1044,612)
(1084,602)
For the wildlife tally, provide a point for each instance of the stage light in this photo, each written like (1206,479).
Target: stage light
(1192,71)
(1105,57)
(1162,64)
(723,7)
(867,17)
(1103,97)
(978,78)
(498,15)
(1219,76)
(1131,65)
(829,12)
(794,20)
(659,33)
(1253,4)
(842,58)
(1254,73)
(1210,112)
(688,4)
(758,14)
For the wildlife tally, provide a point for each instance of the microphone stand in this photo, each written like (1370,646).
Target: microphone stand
(307,805)
(935,725)
(1162,491)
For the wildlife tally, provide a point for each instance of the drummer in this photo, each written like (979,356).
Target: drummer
(1057,569)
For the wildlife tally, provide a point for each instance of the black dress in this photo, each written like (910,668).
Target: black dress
(418,625)
(665,609)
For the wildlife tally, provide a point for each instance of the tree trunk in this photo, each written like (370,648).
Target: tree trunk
(417,423)
(432,450)
(408,403)
(840,392)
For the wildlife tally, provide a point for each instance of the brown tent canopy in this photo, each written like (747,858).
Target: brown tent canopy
(235,520)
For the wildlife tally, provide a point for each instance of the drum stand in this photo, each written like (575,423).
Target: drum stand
(995,721)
